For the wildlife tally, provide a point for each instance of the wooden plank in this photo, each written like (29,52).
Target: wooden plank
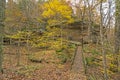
(75,42)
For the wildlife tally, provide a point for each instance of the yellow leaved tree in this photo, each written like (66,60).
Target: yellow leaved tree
(56,11)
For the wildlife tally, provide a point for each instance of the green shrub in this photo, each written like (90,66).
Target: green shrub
(90,60)
(95,52)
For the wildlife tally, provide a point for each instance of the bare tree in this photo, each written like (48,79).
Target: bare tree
(102,41)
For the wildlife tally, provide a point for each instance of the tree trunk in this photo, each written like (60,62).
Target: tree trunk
(117,33)
(2,17)
(102,42)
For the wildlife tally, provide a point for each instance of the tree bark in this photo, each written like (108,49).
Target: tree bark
(2,17)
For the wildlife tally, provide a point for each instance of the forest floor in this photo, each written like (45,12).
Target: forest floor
(49,67)
(28,70)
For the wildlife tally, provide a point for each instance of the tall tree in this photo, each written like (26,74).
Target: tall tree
(2,17)
(117,31)
(102,41)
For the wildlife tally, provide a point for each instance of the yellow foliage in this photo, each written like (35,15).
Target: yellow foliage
(20,34)
(57,11)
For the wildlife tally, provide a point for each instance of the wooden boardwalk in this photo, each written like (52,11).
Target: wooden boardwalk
(78,65)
